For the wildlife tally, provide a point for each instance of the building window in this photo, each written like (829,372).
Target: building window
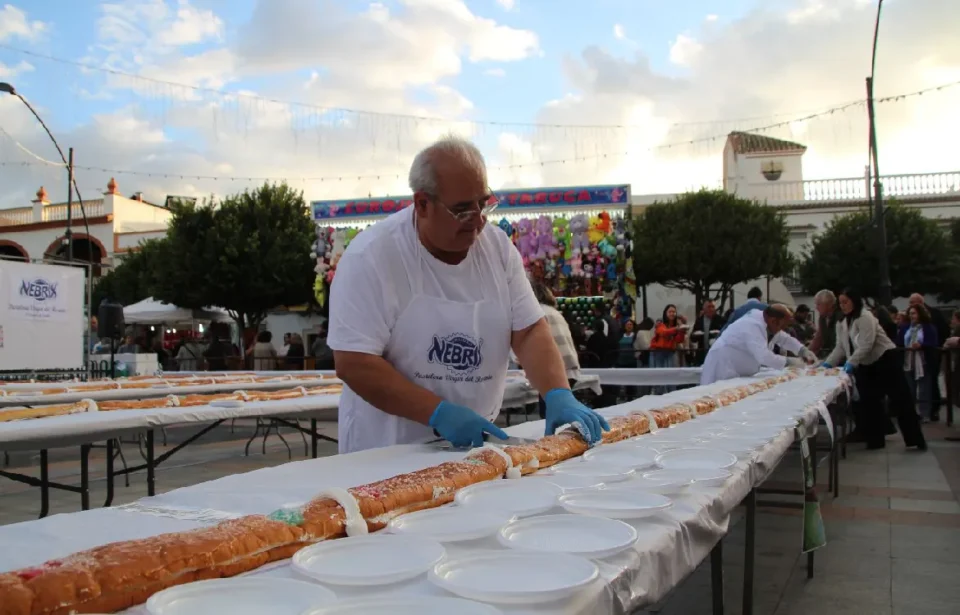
(771,169)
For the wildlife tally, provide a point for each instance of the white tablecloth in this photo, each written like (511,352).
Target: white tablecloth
(112,394)
(671,545)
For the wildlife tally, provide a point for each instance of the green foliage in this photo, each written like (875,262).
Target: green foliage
(921,256)
(132,280)
(709,240)
(248,253)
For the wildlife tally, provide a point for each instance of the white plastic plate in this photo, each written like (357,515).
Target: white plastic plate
(616,503)
(513,497)
(664,486)
(227,403)
(696,459)
(592,537)
(405,605)
(375,559)
(240,596)
(604,472)
(515,577)
(450,523)
(699,477)
(740,448)
(568,482)
(669,444)
(630,456)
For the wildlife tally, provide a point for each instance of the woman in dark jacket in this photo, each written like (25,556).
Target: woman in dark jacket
(918,338)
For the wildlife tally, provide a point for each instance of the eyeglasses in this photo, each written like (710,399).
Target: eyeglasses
(468,211)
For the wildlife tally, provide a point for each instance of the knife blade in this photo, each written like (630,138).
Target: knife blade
(511,441)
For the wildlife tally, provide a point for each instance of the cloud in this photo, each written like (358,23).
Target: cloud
(508,5)
(712,17)
(805,56)
(685,50)
(15,25)
(495,72)
(9,72)
(619,32)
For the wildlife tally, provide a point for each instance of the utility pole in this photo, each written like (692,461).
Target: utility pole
(68,235)
(885,296)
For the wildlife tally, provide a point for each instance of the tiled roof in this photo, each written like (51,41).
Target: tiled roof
(748,143)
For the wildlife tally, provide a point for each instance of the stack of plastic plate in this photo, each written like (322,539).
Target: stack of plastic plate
(515,577)
(696,459)
(405,605)
(598,470)
(695,478)
(629,455)
(592,537)
(521,498)
(240,596)
(375,559)
(451,523)
(620,503)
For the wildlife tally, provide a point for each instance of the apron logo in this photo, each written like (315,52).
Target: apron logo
(459,353)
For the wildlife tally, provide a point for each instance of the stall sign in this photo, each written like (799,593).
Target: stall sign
(510,200)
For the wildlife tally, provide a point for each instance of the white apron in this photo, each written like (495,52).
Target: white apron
(457,350)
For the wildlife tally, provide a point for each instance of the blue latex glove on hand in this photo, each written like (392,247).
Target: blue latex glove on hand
(848,367)
(563,408)
(461,426)
(826,365)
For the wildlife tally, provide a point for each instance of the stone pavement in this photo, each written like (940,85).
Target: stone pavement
(893,534)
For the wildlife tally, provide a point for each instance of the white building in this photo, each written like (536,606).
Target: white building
(116,225)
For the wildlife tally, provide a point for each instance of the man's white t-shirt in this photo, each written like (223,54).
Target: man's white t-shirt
(385,266)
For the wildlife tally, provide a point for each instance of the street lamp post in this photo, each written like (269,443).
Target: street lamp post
(886,291)
(71,182)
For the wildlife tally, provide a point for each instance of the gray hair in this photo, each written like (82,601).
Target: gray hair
(825,297)
(423,173)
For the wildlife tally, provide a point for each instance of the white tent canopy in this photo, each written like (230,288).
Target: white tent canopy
(153,312)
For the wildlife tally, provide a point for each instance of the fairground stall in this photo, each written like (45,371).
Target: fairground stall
(575,238)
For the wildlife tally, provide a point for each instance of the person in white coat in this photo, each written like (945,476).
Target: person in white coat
(746,346)
(425,308)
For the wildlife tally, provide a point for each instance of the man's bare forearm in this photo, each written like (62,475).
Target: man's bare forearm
(383,387)
(540,357)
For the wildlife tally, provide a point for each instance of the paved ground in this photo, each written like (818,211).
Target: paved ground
(894,532)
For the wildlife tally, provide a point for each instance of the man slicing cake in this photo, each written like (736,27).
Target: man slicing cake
(424,310)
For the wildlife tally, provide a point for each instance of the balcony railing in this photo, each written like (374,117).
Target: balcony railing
(15,217)
(856,188)
(51,213)
(56,213)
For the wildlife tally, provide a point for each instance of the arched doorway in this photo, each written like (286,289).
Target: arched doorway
(13,250)
(86,249)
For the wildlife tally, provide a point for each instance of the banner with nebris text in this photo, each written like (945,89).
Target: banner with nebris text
(511,201)
(41,316)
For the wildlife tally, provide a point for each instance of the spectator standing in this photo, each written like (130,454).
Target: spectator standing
(754,302)
(129,346)
(802,328)
(919,340)
(561,335)
(625,354)
(871,357)
(706,329)
(216,353)
(321,352)
(668,335)
(641,343)
(264,354)
(939,323)
(828,315)
(295,352)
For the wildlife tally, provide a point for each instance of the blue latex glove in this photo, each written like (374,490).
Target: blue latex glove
(826,365)
(848,367)
(563,408)
(461,426)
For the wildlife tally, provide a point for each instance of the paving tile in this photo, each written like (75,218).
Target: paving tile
(924,581)
(930,506)
(858,501)
(925,484)
(925,543)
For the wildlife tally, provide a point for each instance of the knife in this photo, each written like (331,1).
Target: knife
(511,441)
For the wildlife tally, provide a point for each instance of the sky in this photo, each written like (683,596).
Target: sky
(209,97)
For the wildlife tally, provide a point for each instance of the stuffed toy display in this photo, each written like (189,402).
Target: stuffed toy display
(526,241)
(546,241)
(578,229)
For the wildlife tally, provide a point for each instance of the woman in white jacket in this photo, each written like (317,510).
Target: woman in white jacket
(865,351)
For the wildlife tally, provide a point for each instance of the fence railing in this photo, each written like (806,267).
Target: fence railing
(857,188)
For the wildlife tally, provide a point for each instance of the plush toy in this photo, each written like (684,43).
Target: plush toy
(576,266)
(526,242)
(506,227)
(612,271)
(350,234)
(595,234)
(605,227)
(551,269)
(606,247)
(546,242)
(319,248)
(339,244)
(578,229)
(561,230)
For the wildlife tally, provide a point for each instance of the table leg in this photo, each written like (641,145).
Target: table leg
(313,438)
(151,487)
(110,477)
(44,484)
(750,551)
(716,577)
(84,477)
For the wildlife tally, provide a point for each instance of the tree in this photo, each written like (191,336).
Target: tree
(845,254)
(132,280)
(706,242)
(248,253)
